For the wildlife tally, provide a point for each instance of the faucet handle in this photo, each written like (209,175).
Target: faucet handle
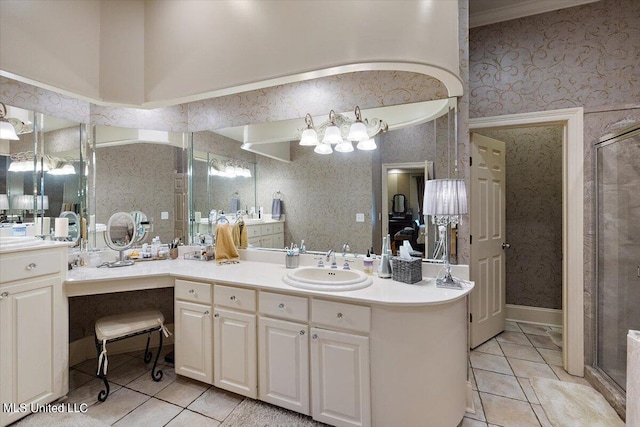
(320,262)
(346,266)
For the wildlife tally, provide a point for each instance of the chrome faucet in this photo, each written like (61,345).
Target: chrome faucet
(331,255)
(345,249)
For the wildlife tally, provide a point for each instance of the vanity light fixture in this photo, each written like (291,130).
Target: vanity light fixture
(446,201)
(7,131)
(342,132)
(230,169)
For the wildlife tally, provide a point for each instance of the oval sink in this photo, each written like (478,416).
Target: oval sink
(326,279)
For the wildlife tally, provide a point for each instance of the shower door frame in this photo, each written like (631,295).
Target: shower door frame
(606,140)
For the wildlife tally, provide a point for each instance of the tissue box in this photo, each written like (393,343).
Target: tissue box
(407,271)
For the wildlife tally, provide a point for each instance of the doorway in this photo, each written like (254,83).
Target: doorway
(571,121)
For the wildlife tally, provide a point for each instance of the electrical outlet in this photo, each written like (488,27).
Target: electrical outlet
(359,217)
(164,215)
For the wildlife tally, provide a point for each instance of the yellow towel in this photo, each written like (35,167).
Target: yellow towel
(240,236)
(225,249)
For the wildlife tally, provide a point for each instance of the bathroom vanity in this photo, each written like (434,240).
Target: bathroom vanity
(389,354)
(34,326)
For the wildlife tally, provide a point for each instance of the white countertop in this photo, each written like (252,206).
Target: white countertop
(264,276)
(19,244)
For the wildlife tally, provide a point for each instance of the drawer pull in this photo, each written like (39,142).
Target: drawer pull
(302,332)
(191,291)
(281,306)
(216,315)
(232,297)
(314,336)
(206,313)
(4,295)
(339,315)
(31,266)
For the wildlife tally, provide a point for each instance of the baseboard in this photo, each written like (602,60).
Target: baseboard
(470,405)
(534,315)
(85,348)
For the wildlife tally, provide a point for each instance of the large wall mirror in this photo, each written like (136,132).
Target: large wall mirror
(323,195)
(41,172)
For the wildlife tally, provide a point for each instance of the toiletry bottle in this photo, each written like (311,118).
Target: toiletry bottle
(368,263)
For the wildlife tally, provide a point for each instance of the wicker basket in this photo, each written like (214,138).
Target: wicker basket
(407,271)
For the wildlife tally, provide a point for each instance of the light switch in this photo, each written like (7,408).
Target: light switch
(359,217)
(164,215)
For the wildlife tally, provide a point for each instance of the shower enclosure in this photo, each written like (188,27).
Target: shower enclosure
(618,249)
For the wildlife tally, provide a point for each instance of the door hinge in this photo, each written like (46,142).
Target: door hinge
(470,317)
(470,161)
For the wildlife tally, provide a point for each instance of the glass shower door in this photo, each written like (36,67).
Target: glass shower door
(618,249)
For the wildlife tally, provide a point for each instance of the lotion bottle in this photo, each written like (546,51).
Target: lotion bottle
(368,263)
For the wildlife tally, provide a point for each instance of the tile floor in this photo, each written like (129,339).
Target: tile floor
(500,372)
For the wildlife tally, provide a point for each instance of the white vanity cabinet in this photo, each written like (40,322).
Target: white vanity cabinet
(193,330)
(234,344)
(283,351)
(269,235)
(340,376)
(33,331)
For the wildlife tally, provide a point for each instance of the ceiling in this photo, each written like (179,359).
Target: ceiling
(485,12)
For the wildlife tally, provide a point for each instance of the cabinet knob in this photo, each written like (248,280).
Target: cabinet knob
(4,295)
(31,266)
(339,315)
(232,298)
(206,313)
(314,336)
(216,315)
(302,332)
(191,291)
(281,306)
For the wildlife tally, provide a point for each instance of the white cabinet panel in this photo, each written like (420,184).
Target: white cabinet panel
(283,350)
(340,378)
(235,364)
(193,341)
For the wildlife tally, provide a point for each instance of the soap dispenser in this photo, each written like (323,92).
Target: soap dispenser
(368,263)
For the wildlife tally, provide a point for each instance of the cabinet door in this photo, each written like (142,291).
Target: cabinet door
(234,345)
(283,364)
(26,340)
(278,240)
(340,378)
(267,241)
(193,341)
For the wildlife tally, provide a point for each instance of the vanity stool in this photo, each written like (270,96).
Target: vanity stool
(127,325)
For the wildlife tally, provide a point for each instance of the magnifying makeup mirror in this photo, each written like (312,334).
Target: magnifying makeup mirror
(142,225)
(122,233)
(74,225)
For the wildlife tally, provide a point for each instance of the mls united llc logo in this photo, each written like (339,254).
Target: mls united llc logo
(37,407)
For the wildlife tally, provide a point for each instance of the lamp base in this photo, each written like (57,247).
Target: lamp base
(448,282)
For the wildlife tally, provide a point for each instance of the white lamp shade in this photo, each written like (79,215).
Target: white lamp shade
(345,147)
(358,132)
(332,135)
(323,148)
(42,202)
(22,202)
(4,202)
(367,145)
(7,131)
(445,197)
(309,137)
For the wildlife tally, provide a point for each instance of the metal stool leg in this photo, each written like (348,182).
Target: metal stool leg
(147,353)
(103,394)
(157,375)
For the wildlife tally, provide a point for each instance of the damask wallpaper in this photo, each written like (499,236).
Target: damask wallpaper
(534,214)
(586,56)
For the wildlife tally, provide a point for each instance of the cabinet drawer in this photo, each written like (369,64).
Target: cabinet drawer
(26,265)
(278,227)
(253,230)
(227,296)
(193,291)
(285,306)
(255,241)
(267,229)
(341,316)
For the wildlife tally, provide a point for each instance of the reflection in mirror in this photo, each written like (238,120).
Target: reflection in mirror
(143,225)
(121,235)
(398,204)
(326,194)
(75,225)
(142,170)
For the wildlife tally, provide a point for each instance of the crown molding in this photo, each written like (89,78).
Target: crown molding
(520,10)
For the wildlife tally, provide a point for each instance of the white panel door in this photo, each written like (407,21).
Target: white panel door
(193,341)
(487,222)
(283,364)
(340,378)
(26,344)
(234,347)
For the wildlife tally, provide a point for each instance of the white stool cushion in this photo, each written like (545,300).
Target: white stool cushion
(120,325)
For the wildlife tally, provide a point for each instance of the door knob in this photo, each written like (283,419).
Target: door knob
(506,246)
